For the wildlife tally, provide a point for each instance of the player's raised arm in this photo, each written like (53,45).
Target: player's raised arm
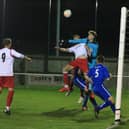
(27,58)
(62,49)
(74,41)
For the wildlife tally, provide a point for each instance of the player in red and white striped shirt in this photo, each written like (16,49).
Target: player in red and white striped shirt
(7,56)
(81,52)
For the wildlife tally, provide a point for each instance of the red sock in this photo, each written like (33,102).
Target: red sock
(9,98)
(65,78)
(71,84)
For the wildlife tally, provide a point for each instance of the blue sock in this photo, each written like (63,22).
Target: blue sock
(113,107)
(106,104)
(85,100)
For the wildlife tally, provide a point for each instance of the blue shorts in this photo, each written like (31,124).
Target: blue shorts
(102,92)
(80,83)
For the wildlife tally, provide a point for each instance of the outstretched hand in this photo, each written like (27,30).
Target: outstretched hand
(57,47)
(28,58)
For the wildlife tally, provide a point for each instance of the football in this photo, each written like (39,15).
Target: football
(67,13)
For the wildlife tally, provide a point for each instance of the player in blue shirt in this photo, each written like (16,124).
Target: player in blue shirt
(99,74)
(80,82)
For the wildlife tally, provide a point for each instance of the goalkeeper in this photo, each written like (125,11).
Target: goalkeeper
(92,43)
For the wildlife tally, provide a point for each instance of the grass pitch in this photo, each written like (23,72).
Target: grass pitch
(46,108)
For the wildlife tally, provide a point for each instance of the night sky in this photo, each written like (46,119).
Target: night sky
(26,22)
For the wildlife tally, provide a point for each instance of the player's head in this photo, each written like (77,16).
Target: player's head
(7,42)
(92,35)
(100,59)
(76,36)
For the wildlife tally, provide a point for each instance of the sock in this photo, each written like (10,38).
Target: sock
(93,101)
(7,108)
(66,86)
(113,107)
(71,84)
(66,80)
(81,93)
(9,98)
(85,100)
(106,104)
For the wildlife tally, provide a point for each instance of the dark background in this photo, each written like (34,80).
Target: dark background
(26,22)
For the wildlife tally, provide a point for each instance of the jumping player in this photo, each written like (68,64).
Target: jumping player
(65,87)
(7,56)
(99,74)
(81,52)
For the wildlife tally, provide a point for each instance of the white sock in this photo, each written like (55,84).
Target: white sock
(66,86)
(7,107)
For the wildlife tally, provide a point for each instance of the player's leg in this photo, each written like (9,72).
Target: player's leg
(9,100)
(112,105)
(96,92)
(9,83)
(92,99)
(82,95)
(106,104)
(71,84)
(81,84)
(1,84)
(83,65)
(1,89)
(71,80)
(85,101)
(66,69)
(107,97)
(90,95)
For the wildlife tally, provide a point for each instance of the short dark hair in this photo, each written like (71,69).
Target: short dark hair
(100,59)
(6,42)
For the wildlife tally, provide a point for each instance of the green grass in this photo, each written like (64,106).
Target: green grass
(46,108)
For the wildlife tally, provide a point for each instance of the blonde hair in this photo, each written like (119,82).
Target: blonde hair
(6,42)
(92,32)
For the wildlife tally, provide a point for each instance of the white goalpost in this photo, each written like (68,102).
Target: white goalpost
(121,55)
(123,21)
